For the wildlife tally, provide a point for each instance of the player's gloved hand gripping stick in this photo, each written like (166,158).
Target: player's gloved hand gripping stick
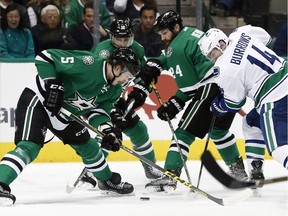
(70,188)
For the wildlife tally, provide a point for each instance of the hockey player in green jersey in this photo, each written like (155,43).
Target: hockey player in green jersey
(191,71)
(84,85)
(122,36)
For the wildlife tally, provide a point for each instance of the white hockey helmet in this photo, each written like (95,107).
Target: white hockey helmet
(211,40)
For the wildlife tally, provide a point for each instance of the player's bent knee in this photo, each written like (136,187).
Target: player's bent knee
(217,133)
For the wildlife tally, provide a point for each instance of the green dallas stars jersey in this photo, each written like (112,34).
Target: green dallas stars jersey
(183,58)
(84,78)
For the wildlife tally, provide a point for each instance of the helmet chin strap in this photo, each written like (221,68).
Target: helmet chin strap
(114,76)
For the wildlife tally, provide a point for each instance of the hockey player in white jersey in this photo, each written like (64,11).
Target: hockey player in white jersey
(245,67)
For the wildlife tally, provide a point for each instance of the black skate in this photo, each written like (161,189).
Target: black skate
(6,198)
(89,179)
(164,183)
(237,170)
(152,173)
(114,184)
(257,174)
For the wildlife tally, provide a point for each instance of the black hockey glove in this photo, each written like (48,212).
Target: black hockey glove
(131,117)
(54,96)
(151,71)
(172,107)
(112,139)
(117,119)
(139,94)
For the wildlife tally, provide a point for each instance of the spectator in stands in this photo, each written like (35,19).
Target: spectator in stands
(74,13)
(49,33)
(5,3)
(80,36)
(110,6)
(15,38)
(34,8)
(145,34)
(20,2)
(280,44)
(131,8)
(224,7)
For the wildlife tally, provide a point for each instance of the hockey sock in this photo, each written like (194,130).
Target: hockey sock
(13,163)
(226,145)
(173,158)
(280,154)
(93,159)
(141,143)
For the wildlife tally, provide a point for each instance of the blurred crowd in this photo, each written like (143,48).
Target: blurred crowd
(28,27)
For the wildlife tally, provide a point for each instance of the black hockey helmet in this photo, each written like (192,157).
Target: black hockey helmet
(128,60)
(168,20)
(121,27)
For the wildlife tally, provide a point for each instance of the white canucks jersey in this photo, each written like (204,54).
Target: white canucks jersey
(248,68)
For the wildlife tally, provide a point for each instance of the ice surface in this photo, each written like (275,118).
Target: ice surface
(40,191)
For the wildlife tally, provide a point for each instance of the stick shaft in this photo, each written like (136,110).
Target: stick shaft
(206,147)
(173,133)
(148,162)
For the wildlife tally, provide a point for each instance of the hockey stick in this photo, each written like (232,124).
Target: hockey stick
(206,147)
(70,188)
(220,201)
(215,170)
(173,132)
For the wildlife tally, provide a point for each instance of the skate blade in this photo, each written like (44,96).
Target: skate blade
(114,194)
(160,189)
(256,192)
(6,201)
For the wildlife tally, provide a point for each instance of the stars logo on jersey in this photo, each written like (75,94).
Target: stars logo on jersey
(216,72)
(105,88)
(104,54)
(169,52)
(81,103)
(88,60)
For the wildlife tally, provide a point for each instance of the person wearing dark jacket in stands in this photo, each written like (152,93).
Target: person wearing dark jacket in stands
(49,34)
(80,36)
(145,34)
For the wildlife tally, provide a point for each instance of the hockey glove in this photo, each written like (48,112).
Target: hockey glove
(139,94)
(131,117)
(151,71)
(172,107)
(117,119)
(112,139)
(217,106)
(54,96)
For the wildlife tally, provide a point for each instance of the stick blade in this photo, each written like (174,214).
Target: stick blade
(217,172)
(69,188)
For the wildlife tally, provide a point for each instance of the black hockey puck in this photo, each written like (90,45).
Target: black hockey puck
(144,198)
